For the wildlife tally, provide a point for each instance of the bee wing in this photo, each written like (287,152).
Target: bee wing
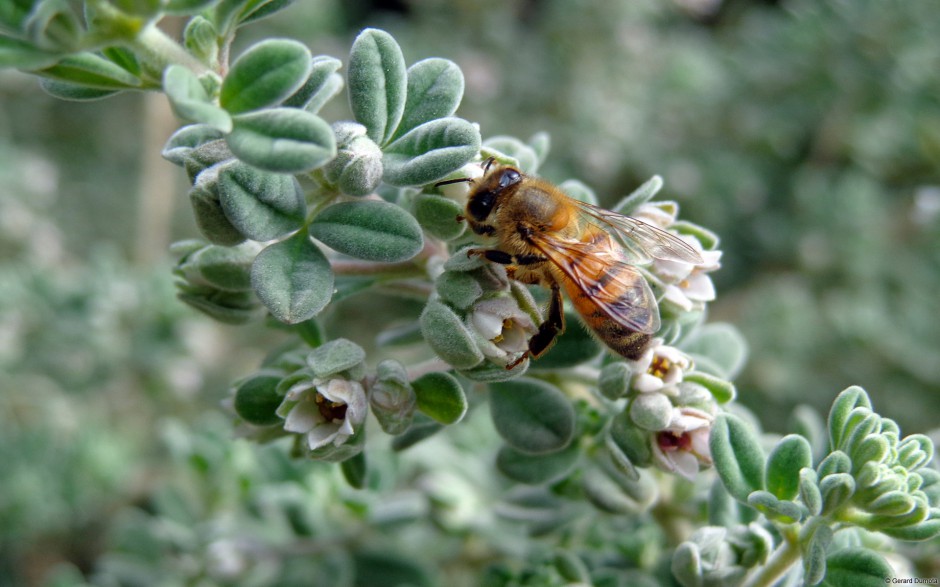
(595,268)
(642,241)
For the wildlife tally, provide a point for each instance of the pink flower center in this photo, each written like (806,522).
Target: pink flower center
(671,442)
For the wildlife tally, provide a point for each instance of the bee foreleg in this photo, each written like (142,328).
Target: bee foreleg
(549,330)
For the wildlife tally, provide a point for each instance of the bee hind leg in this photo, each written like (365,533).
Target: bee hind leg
(549,330)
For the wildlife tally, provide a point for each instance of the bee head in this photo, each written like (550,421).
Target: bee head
(495,184)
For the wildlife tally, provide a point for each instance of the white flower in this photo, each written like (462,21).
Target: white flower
(683,446)
(660,368)
(505,329)
(326,411)
(688,286)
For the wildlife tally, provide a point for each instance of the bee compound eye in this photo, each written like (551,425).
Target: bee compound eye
(508,177)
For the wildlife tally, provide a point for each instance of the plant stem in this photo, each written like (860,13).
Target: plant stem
(160,51)
(779,563)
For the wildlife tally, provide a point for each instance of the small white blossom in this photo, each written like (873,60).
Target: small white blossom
(660,369)
(326,411)
(459,191)
(683,446)
(505,329)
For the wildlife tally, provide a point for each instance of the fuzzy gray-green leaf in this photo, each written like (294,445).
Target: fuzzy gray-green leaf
(531,415)
(441,397)
(286,140)
(856,567)
(334,357)
(430,151)
(257,400)
(265,74)
(368,229)
(211,218)
(438,216)
(845,402)
(789,455)
(189,99)
(319,80)
(261,205)
(186,139)
(293,279)
(377,83)
(738,457)
(92,71)
(448,337)
(435,88)
(536,469)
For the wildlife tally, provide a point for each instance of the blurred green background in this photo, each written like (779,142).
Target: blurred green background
(806,134)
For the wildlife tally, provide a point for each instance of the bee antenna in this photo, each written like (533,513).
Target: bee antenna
(450,181)
(486,164)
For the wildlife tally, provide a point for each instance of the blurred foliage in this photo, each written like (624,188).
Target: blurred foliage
(807,134)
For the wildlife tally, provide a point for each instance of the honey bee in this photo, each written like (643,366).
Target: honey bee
(545,237)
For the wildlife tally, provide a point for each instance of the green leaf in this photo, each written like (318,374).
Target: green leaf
(926,530)
(422,428)
(532,416)
(789,455)
(438,216)
(915,451)
(261,205)
(850,398)
(229,14)
(639,196)
(91,70)
(536,469)
(686,565)
(293,279)
(285,140)
(856,567)
(264,75)
(202,40)
(810,494)
(632,441)
(441,397)
(182,143)
(522,155)
(257,400)
(448,337)
(489,372)
(651,411)
(738,457)
(814,555)
(183,7)
(836,489)
(430,151)
(385,568)
(225,268)
(722,390)
(73,92)
(334,357)
(459,290)
(368,229)
(211,218)
(717,348)
(319,80)
(190,101)
(227,307)
(377,83)
(53,25)
(578,190)
(435,88)
(786,512)
(23,55)
(613,492)
(206,157)
(354,470)
(835,462)
(614,380)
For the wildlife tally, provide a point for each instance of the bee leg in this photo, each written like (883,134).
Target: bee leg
(549,330)
(492,255)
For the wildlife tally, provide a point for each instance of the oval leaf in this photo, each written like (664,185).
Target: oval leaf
(441,397)
(371,230)
(261,205)
(717,348)
(536,469)
(319,80)
(532,416)
(435,88)
(293,279)
(790,454)
(430,151)
(257,399)
(738,457)
(92,71)
(448,337)
(264,75)
(179,146)
(285,140)
(856,567)
(377,83)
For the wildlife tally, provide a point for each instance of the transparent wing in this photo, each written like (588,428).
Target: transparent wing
(642,241)
(600,271)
